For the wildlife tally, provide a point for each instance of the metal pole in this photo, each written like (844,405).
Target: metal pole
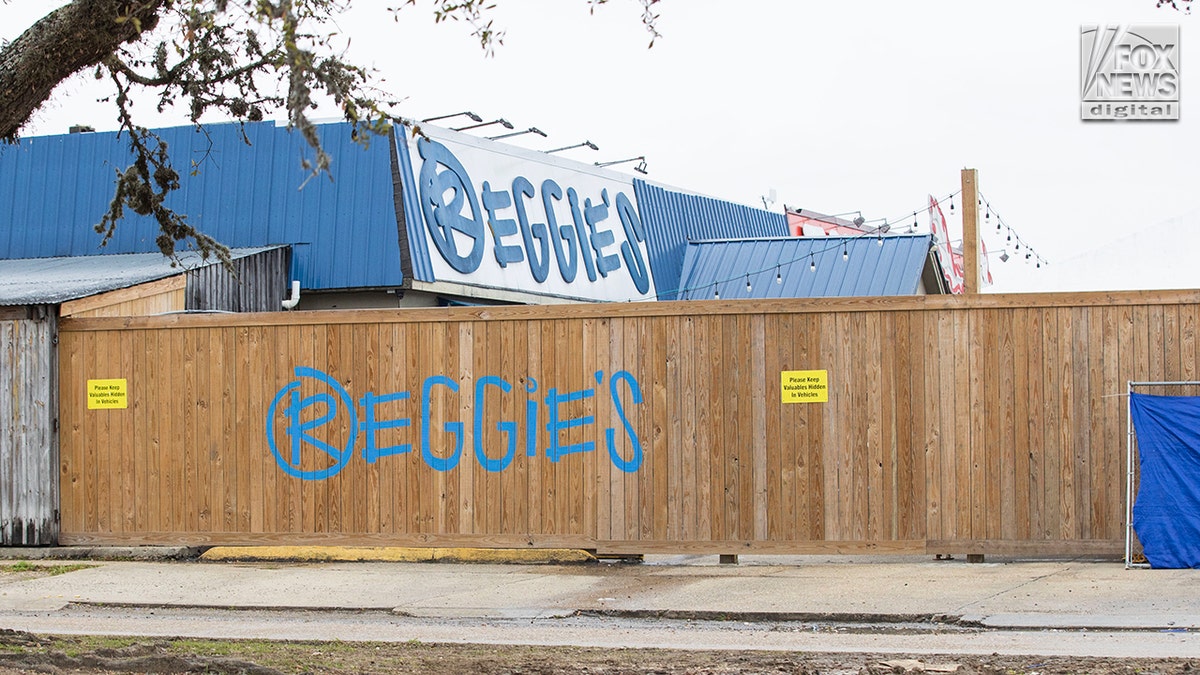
(1129,476)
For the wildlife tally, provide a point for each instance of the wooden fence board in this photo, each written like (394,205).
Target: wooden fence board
(1021,422)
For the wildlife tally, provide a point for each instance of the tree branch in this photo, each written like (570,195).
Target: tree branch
(65,41)
(174,76)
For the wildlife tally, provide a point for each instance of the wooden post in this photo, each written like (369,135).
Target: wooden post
(970,241)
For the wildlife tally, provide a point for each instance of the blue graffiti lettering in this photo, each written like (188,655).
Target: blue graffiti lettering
(305,415)
(531,420)
(556,451)
(370,426)
(297,429)
(509,428)
(455,428)
(634,463)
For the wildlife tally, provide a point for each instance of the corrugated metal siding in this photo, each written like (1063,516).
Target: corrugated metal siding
(672,219)
(782,268)
(28,443)
(258,283)
(413,245)
(53,189)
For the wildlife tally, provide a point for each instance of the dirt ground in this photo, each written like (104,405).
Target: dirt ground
(26,653)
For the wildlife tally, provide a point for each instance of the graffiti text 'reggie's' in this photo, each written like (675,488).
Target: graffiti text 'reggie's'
(304,414)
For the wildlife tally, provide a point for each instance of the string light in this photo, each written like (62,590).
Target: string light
(778,275)
(748,288)
(1030,255)
(845,253)
(812,265)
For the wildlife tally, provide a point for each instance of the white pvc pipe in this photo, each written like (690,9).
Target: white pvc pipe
(294,300)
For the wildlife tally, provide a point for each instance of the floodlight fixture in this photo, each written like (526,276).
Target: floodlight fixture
(465,113)
(500,120)
(585,144)
(640,159)
(530,130)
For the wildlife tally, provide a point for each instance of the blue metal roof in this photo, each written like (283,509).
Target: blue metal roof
(783,268)
(672,219)
(53,189)
(345,233)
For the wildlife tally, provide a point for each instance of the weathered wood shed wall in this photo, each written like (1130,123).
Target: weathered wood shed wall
(28,437)
(989,424)
(252,283)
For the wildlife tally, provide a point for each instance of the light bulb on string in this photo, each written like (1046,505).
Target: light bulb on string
(951,203)
(914,225)
(716,293)
(778,275)
(845,253)
(812,264)
(748,288)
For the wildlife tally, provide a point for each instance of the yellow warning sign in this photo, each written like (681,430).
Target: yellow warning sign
(805,386)
(107,394)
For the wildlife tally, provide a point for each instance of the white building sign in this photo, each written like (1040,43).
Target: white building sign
(493,216)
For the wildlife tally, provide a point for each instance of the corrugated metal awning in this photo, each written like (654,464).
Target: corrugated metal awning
(804,267)
(51,281)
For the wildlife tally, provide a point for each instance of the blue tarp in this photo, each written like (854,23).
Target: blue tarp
(1166,513)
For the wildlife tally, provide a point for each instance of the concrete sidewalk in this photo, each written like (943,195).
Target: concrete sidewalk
(1071,594)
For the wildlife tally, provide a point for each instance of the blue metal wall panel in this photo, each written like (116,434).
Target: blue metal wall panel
(422,264)
(783,267)
(53,189)
(672,219)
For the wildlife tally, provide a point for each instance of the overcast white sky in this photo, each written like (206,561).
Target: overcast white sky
(839,106)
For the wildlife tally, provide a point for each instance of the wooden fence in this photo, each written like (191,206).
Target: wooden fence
(28,443)
(992,424)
